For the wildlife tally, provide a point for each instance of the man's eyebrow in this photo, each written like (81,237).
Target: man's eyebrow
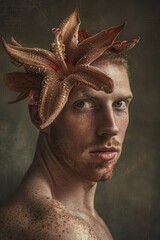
(129,97)
(87,94)
(126,98)
(124,94)
(92,95)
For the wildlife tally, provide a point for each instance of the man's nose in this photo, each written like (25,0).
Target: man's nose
(107,125)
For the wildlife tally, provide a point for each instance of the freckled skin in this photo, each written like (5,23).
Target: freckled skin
(55,200)
(41,219)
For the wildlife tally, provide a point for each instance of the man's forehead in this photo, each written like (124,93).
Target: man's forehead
(111,69)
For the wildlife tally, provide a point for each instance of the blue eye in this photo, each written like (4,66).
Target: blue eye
(120,105)
(84,104)
(80,104)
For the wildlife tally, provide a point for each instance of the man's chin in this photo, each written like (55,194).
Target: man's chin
(100,177)
(106,178)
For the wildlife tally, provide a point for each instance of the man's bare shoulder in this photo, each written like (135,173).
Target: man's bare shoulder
(42,218)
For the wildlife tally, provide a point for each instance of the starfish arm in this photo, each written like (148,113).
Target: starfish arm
(93,47)
(15,43)
(66,38)
(32,57)
(94,77)
(19,81)
(69,30)
(54,96)
(124,45)
(78,79)
(58,48)
(22,83)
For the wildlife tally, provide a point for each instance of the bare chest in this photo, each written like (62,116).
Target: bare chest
(97,224)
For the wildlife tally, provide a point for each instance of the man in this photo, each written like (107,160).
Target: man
(79,95)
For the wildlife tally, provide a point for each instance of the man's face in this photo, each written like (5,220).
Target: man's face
(87,136)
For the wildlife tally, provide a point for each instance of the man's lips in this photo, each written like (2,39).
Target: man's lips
(105,153)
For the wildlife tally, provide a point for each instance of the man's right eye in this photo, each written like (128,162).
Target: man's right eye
(84,104)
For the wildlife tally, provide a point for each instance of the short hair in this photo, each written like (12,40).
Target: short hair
(117,58)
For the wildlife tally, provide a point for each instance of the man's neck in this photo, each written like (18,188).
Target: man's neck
(66,186)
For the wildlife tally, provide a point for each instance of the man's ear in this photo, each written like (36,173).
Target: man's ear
(33,109)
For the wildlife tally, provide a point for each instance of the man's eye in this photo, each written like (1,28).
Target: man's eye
(84,104)
(120,105)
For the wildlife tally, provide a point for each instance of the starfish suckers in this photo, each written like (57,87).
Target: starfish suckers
(56,71)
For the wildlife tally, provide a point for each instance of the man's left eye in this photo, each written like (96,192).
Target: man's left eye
(120,105)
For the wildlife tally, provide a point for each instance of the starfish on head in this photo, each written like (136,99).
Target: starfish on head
(67,64)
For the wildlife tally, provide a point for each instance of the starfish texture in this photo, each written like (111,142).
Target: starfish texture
(67,64)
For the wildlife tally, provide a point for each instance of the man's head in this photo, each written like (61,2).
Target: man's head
(88,134)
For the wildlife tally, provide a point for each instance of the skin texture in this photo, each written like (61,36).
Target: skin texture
(81,147)
(95,127)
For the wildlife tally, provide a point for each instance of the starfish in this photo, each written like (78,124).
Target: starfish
(67,64)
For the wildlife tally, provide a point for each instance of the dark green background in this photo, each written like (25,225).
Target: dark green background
(130,202)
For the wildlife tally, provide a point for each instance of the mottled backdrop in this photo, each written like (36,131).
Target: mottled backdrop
(130,202)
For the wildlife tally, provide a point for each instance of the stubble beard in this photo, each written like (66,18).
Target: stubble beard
(90,170)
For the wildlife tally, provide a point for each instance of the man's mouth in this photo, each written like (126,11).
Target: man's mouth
(105,153)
